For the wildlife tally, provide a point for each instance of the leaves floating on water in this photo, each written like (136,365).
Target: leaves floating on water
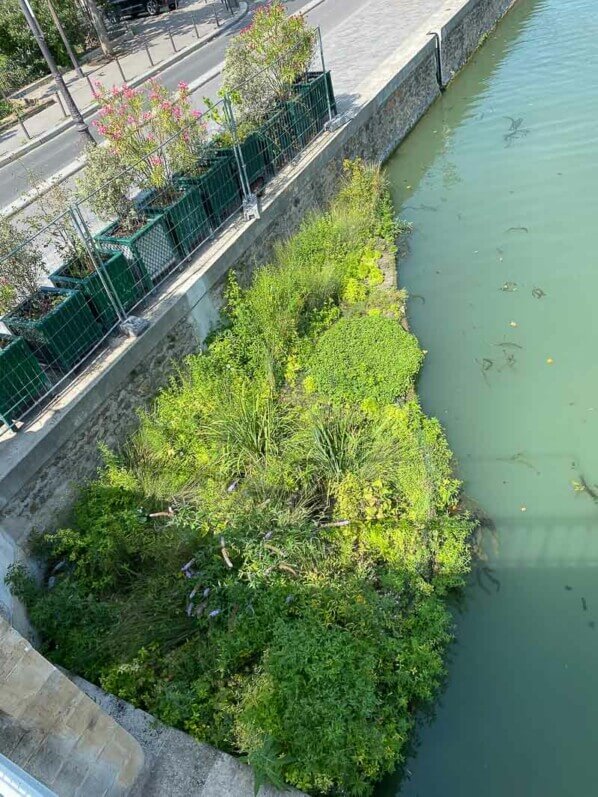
(568,588)
(509,287)
(518,229)
(538,293)
(584,605)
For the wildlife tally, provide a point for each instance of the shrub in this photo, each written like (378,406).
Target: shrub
(365,357)
(21,266)
(265,59)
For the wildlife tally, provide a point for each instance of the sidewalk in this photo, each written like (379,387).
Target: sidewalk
(164,36)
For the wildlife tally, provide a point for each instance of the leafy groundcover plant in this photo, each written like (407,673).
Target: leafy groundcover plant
(268,561)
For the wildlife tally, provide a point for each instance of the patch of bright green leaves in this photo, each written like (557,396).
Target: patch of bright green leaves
(266,563)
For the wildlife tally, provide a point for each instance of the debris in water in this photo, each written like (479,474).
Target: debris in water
(592,624)
(509,287)
(513,324)
(591,492)
(549,361)
(524,509)
(507,344)
(519,459)
(538,293)
(568,588)
(488,572)
(485,365)
(514,130)
(584,605)
(518,229)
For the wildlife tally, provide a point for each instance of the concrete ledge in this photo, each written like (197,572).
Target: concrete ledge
(175,764)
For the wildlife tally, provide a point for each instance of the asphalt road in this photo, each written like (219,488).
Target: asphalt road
(54,155)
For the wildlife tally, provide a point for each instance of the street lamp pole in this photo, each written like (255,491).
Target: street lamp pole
(80,124)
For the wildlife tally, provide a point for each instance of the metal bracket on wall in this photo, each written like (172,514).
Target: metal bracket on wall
(134,326)
(336,122)
(251,207)
(438,51)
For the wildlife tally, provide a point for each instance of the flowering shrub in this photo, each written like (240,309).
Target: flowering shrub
(265,59)
(149,131)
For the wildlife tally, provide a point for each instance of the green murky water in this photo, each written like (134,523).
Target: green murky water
(501,181)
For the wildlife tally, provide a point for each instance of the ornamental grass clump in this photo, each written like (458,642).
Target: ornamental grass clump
(265,566)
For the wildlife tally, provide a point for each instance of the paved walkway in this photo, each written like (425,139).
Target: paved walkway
(369,36)
(148,41)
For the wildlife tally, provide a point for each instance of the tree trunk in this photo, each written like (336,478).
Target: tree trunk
(100,27)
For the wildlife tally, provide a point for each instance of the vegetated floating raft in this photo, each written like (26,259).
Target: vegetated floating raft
(272,553)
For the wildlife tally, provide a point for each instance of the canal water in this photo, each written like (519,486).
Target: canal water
(500,180)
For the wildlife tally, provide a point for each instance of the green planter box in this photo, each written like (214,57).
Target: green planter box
(280,144)
(218,185)
(186,217)
(63,335)
(254,159)
(22,381)
(151,250)
(315,94)
(120,275)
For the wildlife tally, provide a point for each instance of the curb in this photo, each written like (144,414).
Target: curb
(90,109)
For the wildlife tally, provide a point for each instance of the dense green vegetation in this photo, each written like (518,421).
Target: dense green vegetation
(20,57)
(289,600)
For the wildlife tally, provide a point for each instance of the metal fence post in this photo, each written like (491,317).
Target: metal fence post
(85,235)
(250,201)
(321,48)
(169,29)
(147,49)
(120,69)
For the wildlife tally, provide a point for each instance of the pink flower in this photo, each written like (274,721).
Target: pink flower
(183,86)
(155,160)
(196,114)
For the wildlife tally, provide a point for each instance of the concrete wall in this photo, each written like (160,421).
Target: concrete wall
(41,466)
(51,729)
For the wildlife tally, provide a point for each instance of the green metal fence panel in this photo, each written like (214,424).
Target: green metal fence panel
(316,92)
(63,335)
(218,185)
(186,217)
(150,249)
(278,139)
(22,381)
(122,278)
(254,159)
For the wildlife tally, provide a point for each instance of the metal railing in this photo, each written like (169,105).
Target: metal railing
(98,274)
